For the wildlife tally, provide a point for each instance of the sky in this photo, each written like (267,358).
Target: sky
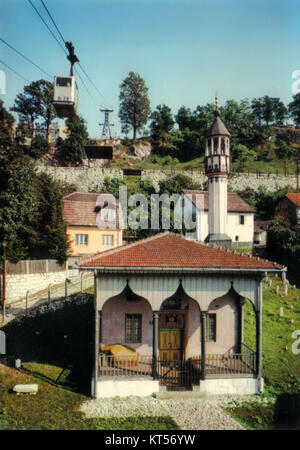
(185,50)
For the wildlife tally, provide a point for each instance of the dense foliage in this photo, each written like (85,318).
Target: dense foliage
(30,209)
(72,149)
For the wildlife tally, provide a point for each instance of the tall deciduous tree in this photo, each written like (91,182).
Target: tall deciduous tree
(134,102)
(162,123)
(35,103)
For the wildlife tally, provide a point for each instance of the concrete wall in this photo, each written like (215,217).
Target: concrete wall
(231,386)
(18,285)
(124,388)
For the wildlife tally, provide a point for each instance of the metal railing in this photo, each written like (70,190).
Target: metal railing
(125,365)
(178,373)
(249,357)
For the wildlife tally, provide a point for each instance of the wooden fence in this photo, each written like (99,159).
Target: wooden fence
(34,266)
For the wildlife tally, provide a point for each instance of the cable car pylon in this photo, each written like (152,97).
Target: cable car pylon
(106,125)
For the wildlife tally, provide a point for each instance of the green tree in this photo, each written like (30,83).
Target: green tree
(30,209)
(294,109)
(6,125)
(18,203)
(72,149)
(49,237)
(243,155)
(162,124)
(34,103)
(284,150)
(134,102)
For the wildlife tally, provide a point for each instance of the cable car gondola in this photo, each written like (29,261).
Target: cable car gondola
(65,99)
(65,96)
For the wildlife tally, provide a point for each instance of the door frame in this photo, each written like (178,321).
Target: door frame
(185,335)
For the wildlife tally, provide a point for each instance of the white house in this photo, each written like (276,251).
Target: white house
(222,218)
(239,218)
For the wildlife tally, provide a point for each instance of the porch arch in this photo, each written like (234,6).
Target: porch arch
(205,288)
(115,313)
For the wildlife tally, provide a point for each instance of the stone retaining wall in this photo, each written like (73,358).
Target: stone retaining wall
(89,179)
(18,285)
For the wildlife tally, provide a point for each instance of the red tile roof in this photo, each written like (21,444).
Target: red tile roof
(234,202)
(79,209)
(170,250)
(294,198)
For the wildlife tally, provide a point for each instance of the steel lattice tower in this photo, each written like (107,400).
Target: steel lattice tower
(106,125)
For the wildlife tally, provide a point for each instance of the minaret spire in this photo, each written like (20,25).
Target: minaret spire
(217,163)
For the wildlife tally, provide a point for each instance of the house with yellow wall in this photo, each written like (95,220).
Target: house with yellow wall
(92,223)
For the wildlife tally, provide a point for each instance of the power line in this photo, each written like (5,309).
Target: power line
(45,23)
(80,77)
(54,23)
(23,56)
(91,81)
(60,34)
(49,14)
(13,70)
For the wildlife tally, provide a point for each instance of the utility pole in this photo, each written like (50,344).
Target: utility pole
(4,281)
(106,125)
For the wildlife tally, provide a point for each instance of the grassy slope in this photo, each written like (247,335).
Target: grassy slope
(281,367)
(155,162)
(57,353)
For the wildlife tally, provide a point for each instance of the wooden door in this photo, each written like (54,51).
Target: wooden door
(170,345)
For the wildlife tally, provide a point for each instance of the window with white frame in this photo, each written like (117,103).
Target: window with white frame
(242,220)
(81,239)
(107,239)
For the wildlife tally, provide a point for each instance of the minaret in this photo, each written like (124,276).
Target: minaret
(217,163)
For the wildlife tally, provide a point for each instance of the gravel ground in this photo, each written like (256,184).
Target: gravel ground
(189,414)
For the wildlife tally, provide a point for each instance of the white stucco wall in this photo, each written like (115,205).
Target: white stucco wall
(113,323)
(237,386)
(143,387)
(233,227)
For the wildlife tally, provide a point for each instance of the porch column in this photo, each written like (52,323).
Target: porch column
(155,344)
(241,322)
(258,313)
(96,337)
(203,315)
